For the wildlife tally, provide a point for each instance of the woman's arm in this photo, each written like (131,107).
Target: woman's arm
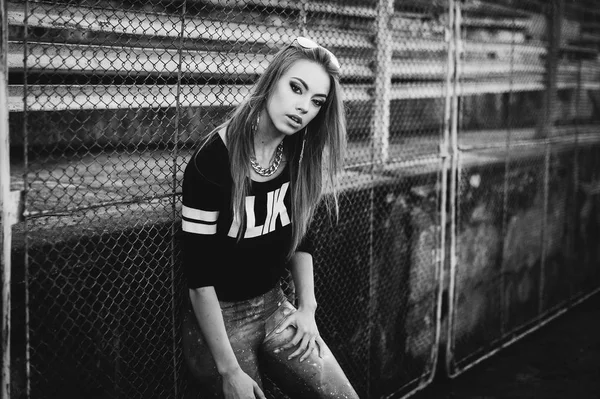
(206,307)
(301,266)
(208,313)
(307,336)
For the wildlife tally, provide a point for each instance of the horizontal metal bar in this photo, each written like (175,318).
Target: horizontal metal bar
(405,155)
(518,85)
(521,138)
(78,97)
(488,6)
(94,59)
(513,49)
(592,25)
(333,8)
(70,58)
(591,37)
(501,22)
(484,68)
(70,210)
(106,59)
(165,25)
(402,44)
(60,98)
(578,48)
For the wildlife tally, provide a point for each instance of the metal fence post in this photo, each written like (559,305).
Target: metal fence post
(451,140)
(383,79)
(576,172)
(554,36)
(5,204)
(174,187)
(553,33)
(302,17)
(380,128)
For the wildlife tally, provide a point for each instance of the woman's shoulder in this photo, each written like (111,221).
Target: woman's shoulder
(210,160)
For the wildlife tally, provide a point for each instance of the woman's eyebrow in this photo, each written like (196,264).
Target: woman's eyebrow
(306,86)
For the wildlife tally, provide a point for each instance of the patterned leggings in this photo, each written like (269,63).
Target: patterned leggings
(250,325)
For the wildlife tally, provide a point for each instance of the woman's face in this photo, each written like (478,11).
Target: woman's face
(298,96)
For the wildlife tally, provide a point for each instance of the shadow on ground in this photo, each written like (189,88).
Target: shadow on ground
(561,360)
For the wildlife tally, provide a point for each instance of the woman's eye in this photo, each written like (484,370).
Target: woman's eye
(295,88)
(318,103)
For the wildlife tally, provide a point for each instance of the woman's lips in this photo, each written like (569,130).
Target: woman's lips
(295,120)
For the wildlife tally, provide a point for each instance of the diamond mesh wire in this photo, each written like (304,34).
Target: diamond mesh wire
(559,232)
(109,100)
(478,247)
(99,100)
(527,114)
(585,278)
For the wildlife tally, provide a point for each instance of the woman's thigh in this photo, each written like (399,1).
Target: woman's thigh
(244,339)
(315,377)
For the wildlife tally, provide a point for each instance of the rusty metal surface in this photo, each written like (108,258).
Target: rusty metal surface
(524,219)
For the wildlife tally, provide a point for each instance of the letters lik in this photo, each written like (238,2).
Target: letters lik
(275,209)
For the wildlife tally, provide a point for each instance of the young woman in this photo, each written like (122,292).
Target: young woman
(249,194)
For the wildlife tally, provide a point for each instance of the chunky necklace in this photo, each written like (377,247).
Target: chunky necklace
(266,172)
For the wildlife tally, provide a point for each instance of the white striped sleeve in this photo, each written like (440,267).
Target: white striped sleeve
(198,221)
(202,200)
(199,215)
(199,228)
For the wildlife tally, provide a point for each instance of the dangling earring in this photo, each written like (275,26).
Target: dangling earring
(302,150)
(255,126)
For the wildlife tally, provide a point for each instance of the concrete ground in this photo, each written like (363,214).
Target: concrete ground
(560,360)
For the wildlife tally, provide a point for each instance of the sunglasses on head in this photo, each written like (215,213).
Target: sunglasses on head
(308,44)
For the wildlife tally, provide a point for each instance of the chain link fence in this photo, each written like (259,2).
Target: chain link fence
(523,220)
(473,151)
(107,107)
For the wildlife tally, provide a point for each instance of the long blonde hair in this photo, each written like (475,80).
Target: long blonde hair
(325,142)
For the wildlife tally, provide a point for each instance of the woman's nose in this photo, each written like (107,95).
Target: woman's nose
(302,106)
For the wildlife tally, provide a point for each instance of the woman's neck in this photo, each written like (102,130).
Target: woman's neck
(266,140)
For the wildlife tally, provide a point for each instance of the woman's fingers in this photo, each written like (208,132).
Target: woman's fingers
(291,343)
(294,341)
(258,393)
(305,340)
(311,347)
(301,348)
(321,346)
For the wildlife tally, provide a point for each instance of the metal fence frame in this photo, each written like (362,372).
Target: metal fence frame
(447,160)
(548,139)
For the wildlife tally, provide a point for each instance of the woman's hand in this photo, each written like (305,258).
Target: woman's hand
(307,336)
(239,385)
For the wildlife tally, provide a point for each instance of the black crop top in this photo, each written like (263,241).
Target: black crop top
(212,255)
